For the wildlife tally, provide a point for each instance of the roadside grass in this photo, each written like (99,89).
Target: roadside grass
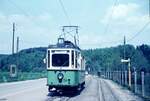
(21,76)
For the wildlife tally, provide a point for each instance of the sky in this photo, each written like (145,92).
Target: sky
(103,23)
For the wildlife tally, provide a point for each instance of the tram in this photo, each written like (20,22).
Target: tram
(65,66)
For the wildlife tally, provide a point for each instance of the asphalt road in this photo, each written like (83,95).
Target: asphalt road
(96,89)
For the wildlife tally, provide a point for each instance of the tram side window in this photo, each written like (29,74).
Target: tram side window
(72,59)
(48,58)
(76,59)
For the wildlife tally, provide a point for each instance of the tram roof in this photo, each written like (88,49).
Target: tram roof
(66,44)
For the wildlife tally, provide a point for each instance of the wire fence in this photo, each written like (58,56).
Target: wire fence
(140,81)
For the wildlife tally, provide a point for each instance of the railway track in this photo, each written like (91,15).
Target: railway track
(105,92)
(68,97)
(100,91)
(60,98)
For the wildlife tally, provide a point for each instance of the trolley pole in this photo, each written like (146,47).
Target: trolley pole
(72,31)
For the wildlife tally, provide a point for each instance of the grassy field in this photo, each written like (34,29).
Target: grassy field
(5,76)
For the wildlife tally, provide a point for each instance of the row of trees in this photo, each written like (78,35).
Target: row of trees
(110,58)
(28,60)
(31,60)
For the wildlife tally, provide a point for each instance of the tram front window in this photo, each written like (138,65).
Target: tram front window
(60,60)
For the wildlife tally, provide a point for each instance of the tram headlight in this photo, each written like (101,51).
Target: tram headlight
(60,76)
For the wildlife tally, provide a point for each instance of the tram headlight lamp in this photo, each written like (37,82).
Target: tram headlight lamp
(60,76)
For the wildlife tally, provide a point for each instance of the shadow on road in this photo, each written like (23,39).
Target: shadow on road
(65,93)
(3,99)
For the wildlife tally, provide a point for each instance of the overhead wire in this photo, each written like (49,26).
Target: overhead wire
(24,12)
(27,16)
(69,21)
(110,17)
(18,7)
(140,31)
(143,28)
(65,12)
(134,36)
(109,22)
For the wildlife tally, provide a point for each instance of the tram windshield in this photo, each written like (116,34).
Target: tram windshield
(60,60)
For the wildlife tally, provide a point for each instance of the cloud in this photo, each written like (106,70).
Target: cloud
(33,31)
(126,19)
(41,30)
(120,11)
(91,40)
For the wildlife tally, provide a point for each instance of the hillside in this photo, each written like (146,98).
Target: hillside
(31,60)
(110,58)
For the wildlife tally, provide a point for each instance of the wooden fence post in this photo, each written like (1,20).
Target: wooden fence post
(135,81)
(143,88)
(122,78)
(125,77)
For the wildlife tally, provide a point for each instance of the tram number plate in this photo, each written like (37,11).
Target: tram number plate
(65,80)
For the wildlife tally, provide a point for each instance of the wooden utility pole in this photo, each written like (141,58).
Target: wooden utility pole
(123,65)
(13,67)
(129,69)
(17,48)
(124,51)
(13,38)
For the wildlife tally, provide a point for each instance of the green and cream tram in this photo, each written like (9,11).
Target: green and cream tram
(65,66)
